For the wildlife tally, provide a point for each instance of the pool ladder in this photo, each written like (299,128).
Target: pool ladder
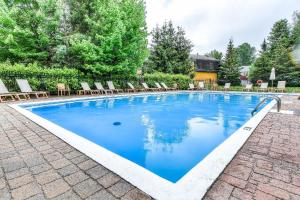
(263,101)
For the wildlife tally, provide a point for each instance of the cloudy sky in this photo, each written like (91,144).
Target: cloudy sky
(210,23)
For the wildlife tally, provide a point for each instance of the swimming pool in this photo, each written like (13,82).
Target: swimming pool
(166,134)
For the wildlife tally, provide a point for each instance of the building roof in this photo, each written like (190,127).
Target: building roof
(202,57)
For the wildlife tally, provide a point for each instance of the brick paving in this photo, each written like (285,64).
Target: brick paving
(35,164)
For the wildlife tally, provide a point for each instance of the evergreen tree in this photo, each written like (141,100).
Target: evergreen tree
(215,54)
(263,46)
(295,33)
(246,54)
(230,70)
(170,50)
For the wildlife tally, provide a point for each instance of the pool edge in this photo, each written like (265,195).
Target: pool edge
(193,185)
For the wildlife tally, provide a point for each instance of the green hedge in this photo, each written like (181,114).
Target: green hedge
(47,78)
(181,80)
(38,78)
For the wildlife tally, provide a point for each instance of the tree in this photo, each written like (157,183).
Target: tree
(215,54)
(275,54)
(97,36)
(263,46)
(295,33)
(170,50)
(230,70)
(246,54)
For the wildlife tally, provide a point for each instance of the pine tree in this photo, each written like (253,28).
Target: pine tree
(246,54)
(295,33)
(215,54)
(170,50)
(230,70)
(263,46)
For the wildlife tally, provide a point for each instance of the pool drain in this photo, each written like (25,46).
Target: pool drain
(117,123)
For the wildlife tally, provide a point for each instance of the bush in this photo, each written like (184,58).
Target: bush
(181,80)
(47,78)
(38,78)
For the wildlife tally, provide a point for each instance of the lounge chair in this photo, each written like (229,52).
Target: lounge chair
(5,95)
(158,86)
(215,86)
(112,87)
(280,86)
(86,89)
(26,89)
(248,87)
(201,85)
(166,87)
(132,88)
(263,87)
(191,86)
(62,89)
(146,87)
(227,87)
(101,89)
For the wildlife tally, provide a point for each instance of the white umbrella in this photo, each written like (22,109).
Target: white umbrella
(272,75)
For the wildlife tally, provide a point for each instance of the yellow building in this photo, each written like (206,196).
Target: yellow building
(206,68)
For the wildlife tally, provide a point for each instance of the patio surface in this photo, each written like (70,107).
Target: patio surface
(35,164)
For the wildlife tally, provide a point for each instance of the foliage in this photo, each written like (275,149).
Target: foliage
(229,70)
(215,54)
(181,80)
(277,53)
(39,78)
(170,50)
(246,54)
(295,32)
(97,37)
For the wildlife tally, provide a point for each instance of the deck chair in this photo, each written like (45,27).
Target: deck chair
(191,86)
(166,87)
(215,86)
(201,85)
(158,86)
(101,89)
(280,86)
(227,86)
(146,87)
(112,87)
(263,87)
(26,89)
(5,95)
(86,89)
(248,87)
(63,89)
(132,88)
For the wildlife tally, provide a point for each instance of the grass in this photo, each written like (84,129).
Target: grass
(288,89)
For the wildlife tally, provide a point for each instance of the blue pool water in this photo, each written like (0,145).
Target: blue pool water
(167,134)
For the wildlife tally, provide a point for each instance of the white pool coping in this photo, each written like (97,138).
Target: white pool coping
(192,185)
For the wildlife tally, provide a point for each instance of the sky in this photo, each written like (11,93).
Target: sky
(209,24)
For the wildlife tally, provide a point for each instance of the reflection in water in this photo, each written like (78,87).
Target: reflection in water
(167,134)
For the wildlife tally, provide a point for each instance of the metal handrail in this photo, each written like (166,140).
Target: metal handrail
(269,97)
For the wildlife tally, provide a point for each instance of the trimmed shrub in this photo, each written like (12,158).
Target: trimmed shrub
(181,80)
(47,78)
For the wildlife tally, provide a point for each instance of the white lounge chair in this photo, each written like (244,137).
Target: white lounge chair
(26,89)
(191,86)
(263,87)
(280,86)
(132,88)
(112,87)
(227,86)
(100,87)
(166,87)
(201,85)
(158,86)
(248,87)
(86,89)
(146,87)
(5,95)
